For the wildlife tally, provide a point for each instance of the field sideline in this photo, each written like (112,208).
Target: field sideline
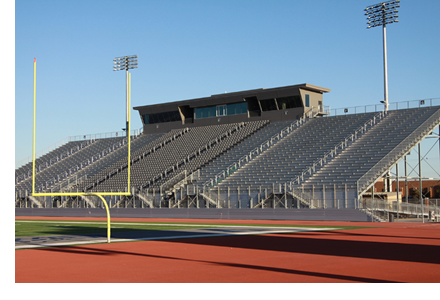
(226,252)
(44,233)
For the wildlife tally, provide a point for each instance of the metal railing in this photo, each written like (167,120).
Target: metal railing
(380,107)
(194,154)
(311,113)
(395,154)
(60,178)
(400,207)
(86,137)
(153,149)
(105,135)
(340,146)
(41,166)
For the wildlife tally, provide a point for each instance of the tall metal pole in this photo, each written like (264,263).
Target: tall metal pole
(385,66)
(126,63)
(379,15)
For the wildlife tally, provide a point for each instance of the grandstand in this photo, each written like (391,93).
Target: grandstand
(265,148)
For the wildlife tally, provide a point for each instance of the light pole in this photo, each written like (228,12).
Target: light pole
(382,14)
(125,63)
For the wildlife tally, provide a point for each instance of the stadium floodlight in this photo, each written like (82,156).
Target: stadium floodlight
(382,14)
(125,63)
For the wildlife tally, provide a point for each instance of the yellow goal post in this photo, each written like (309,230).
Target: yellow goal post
(98,194)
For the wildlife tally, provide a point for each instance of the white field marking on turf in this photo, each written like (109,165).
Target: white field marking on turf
(177,225)
(116,240)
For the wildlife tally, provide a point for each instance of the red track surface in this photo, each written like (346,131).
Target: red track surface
(392,252)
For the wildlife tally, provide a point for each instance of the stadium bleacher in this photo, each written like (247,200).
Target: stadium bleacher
(159,159)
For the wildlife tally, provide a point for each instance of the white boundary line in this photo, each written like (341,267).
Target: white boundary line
(116,240)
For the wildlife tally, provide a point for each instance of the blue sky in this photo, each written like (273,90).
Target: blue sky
(189,49)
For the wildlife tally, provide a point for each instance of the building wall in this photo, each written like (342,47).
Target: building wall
(431,188)
(272,116)
(315,99)
(184,110)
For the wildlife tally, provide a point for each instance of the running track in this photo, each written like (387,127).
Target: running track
(391,252)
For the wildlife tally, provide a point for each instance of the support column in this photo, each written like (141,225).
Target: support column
(397,190)
(406,181)
(420,183)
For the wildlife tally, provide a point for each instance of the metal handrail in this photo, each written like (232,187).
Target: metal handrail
(401,207)
(86,137)
(194,154)
(377,169)
(260,149)
(379,107)
(22,177)
(350,139)
(71,171)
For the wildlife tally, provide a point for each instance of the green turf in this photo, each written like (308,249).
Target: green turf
(44,227)
(76,228)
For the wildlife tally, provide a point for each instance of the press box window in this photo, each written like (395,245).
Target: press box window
(205,112)
(289,102)
(220,110)
(236,109)
(268,104)
(169,116)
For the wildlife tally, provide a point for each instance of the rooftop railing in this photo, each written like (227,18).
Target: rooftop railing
(380,107)
(86,137)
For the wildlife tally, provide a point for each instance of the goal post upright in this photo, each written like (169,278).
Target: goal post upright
(33,134)
(129,135)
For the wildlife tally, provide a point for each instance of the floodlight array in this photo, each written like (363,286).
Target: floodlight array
(382,13)
(125,63)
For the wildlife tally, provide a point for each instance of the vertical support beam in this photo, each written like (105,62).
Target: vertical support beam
(397,190)
(420,182)
(345,196)
(406,181)
(197,196)
(238,197)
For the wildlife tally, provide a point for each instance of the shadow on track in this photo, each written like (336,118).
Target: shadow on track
(95,251)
